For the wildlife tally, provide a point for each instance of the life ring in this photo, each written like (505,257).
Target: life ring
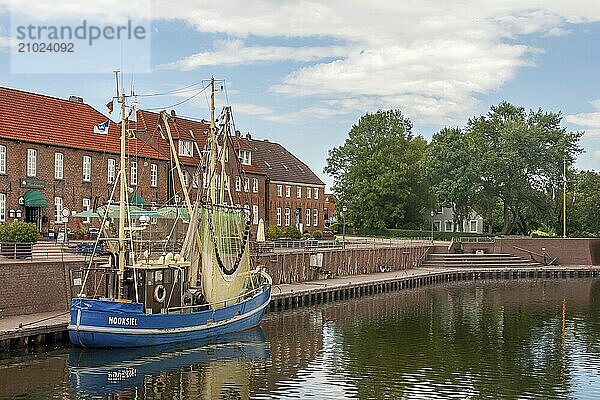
(160,293)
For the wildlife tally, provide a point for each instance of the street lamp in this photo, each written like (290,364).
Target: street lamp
(344,209)
(432,214)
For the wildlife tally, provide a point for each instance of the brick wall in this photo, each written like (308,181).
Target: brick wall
(35,287)
(294,203)
(575,251)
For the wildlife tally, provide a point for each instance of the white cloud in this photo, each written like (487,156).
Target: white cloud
(233,52)
(596,155)
(589,122)
(431,59)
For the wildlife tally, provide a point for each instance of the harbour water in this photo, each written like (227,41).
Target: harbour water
(525,339)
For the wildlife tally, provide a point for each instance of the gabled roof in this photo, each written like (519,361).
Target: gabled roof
(38,118)
(279,164)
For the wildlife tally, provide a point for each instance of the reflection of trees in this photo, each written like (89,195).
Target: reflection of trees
(504,338)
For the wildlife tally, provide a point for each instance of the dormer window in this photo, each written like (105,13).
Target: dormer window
(186,148)
(245,157)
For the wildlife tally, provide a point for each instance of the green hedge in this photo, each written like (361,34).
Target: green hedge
(412,233)
(19,232)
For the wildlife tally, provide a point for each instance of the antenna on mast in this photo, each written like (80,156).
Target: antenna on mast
(116,71)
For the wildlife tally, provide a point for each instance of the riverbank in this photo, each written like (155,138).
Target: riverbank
(27,331)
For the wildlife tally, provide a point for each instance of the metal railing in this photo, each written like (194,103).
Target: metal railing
(476,239)
(350,243)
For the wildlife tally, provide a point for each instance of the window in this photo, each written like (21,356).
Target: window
(85,205)
(473,226)
(287,216)
(254,185)
(186,148)
(112,166)
(58,165)
(238,184)
(315,217)
(58,207)
(278,216)
(2,207)
(227,182)
(299,192)
(246,185)
(154,175)
(87,168)
(195,180)
(279,190)
(2,159)
(133,173)
(245,157)
(308,217)
(205,180)
(448,226)
(31,162)
(316,193)
(186,179)
(255,214)
(437,225)
(308,193)
(288,190)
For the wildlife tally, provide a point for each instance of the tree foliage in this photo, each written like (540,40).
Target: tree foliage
(583,205)
(377,172)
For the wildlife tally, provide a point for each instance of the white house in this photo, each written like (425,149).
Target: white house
(443,221)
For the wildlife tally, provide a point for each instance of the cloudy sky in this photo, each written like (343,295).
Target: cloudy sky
(302,72)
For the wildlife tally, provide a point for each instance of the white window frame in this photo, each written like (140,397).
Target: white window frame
(246,184)
(471,222)
(31,162)
(2,159)
(288,191)
(316,193)
(316,217)
(59,162)
(153,175)
(308,193)
(308,217)
(278,216)
(299,192)
(254,185)
(111,170)
(85,206)
(279,190)
(437,225)
(186,148)
(87,168)
(2,207)
(205,182)
(238,184)
(195,180)
(186,179)
(133,176)
(287,216)
(446,222)
(58,207)
(245,157)
(255,214)
(227,182)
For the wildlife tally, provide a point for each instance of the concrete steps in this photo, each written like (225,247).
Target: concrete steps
(477,261)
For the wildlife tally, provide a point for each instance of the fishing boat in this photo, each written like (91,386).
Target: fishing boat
(204,285)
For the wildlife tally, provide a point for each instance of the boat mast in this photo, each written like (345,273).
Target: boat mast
(122,195)
(213,144)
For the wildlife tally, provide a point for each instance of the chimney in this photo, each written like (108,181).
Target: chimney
(173,113)
(76,99)
(238,133)
(248,136)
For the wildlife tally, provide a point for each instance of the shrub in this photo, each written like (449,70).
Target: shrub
(306,235)
(409,233)
(273,232)
(293,232)
(19,232)
(317,234)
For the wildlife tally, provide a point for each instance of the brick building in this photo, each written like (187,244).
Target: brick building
(294,194)
(51,159)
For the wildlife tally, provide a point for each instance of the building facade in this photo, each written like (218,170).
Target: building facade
(53,163)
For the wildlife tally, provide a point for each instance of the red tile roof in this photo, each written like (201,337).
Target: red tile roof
(49,120)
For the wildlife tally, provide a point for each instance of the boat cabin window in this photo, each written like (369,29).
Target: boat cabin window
(168,277)
(149,278)
(158,276)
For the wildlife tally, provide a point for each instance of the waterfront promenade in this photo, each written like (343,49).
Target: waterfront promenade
(29,330)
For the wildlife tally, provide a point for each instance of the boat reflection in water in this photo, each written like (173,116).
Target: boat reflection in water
(213,367)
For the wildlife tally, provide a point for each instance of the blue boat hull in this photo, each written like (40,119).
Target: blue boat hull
(109,323)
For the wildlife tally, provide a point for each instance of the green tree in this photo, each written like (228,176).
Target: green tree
(583,205)
(450,166)
(520,161)
(377,172)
